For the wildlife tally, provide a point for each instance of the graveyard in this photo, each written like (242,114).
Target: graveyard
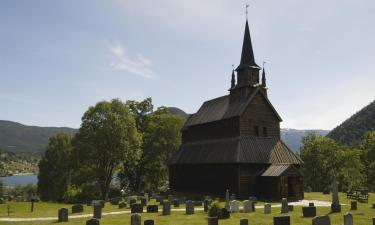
(112,215)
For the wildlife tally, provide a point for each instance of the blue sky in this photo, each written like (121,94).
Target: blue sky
(57,58)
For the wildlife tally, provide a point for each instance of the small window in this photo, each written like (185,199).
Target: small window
(256,130)
(265,132)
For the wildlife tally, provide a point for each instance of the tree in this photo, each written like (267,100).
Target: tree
(54,168)
(368,148)
(107,138)
(1,188)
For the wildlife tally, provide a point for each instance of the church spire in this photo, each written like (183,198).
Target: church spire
(264,76)
(233,81)
(247,56)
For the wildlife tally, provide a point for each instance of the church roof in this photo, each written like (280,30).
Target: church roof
(247,56)
(220,108)
(278,170)
(263,150)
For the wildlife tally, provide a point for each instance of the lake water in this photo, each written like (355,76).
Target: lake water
(20,180)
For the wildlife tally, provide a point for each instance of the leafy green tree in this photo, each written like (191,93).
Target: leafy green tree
(54,168)
(107,138)
(368,148)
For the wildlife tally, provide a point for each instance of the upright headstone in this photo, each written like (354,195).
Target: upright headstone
(77,208)
(176,203)
(244,221)
(206,203)
(92,221)
(167,208)
(284,206)
(348,219)
(143,201)
(136,208)
(353,205)
(147,197)
(267,208)
(135,219)
(309,211)
(152,208)
(253,199)
(189,207)
(321,220)
(234,206)
(148,222)
(281,220)
(227,200)
(62,215)
(247,206)
(213,221)
(97,211)
(335,206)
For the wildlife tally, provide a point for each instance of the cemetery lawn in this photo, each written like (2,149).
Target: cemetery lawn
(199,218)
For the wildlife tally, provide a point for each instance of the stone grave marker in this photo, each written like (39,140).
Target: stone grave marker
(309,211)
(135,219)
(77,208)
(284,206)
(136,208)
(247,206)
(281,220)
(321,220)
(353,205)
(147,197)
(167,208)
(335,206)
(348,219)
(227,200)
(176,203)
(148,222)
(224,214)
(97,211)
(253,199)
(122,205)
(267,208)
(244,221)
(234,206)
(213,221)
(189,207)
(92,221)
(206,203)
(152,208)
(143,201)
(62,215)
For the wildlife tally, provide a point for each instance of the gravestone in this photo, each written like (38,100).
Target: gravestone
(167,208)
(321,220)
(224,214)
(213,221)
(267,208)
(92,221)
(335,206)
(309,211)
(152,208)
(234,206)
(147,197)
(136,208)
(97,211)
(253,199)
(311,204)
(206,203)
(247,206)
(135,219)
(227,200)
(353,205)
(176,203)
(122,205)
(198,203)
(148,222)
(143,201)
(290,208)
(281,220)
(62,215)
(348,219)
(189,207)
(244,221)
(77,208)
(284,206)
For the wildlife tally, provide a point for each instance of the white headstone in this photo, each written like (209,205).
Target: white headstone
(267,208)
(234,206)
(284,206)
(348,219)
(247,206)
(227,200)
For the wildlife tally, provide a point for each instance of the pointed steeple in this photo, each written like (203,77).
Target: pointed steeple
(264,76)
(247,56)
(233,81)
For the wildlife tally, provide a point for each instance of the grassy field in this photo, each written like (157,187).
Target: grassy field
(199,218)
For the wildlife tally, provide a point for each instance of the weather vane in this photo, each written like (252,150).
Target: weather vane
(247,6)
(264,62)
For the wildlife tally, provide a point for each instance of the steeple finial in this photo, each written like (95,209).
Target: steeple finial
(264,76)
(233,81)
(247,6)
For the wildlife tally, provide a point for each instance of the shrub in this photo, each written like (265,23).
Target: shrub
(214,209)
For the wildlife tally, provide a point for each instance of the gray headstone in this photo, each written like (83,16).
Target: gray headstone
(335,206)
(309,211)
(247,206)
(206,204)
(244,221)
(62,215)
(166,208)
(321,220)
(227,200)
(148,222)
(234,206)
(281,220)
(97,211)
(143,201)
(92,221)
(136,208)
(348,219)
(284,206)
(147,197)
(152,208)
(189,207)
(77,208)
(253,199)
(176,203)
(213,221)
(353,205)
(267,208)
(135,219)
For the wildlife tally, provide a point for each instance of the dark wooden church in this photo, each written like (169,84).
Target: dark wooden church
(233,142)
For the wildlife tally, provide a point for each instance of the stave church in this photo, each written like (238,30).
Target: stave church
(233,142)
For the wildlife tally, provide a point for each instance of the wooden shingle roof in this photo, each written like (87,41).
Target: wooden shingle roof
(264,150)
(278,170)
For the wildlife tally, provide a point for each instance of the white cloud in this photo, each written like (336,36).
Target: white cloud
(139,65)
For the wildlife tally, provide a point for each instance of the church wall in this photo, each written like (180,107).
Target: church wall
(248,179)
(210,131)
(257,116)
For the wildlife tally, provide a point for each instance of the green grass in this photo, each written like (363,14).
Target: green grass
(199,218)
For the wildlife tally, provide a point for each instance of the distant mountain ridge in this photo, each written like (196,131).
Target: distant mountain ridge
(19,138)
(352,130)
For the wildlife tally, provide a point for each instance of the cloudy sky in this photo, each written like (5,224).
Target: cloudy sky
(57,58)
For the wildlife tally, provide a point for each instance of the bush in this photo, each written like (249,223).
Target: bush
(214,209)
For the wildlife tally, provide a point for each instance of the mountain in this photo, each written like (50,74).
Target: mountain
(351,131)
(177,111)
(19,138)
(293,137)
